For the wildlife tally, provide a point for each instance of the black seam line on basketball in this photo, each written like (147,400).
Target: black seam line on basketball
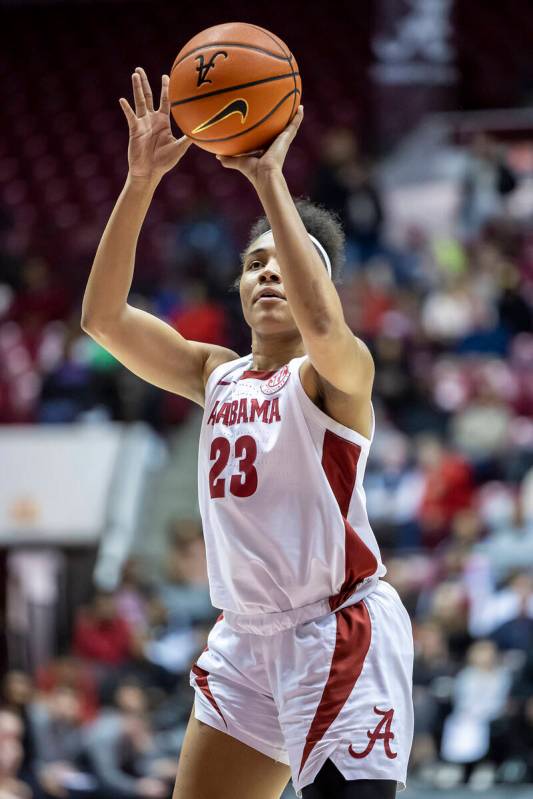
(290,57)
(295,91)
(263,30)
(229,44)
(236,135)
(233,88)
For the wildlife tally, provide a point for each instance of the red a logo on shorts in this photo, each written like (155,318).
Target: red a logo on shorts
(378,734)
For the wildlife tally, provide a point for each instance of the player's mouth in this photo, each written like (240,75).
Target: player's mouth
(269,296)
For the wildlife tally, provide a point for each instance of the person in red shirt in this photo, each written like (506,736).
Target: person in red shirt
(101,634)
(449,489)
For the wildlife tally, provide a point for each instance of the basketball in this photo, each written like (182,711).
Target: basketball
(234,88)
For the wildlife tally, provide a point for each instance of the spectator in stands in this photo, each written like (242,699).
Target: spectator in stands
(512,733)
(133,596)
(448,488)
(123,752)
(74,675)
(479,696)
(185,592)
(57,734)
(203,245)
(487,181)
(394,489)
(42,298)
(432,685)
(201,317)
(447,313)
(17,695)
(504,614)
(446,605)
(71,388)
(343,183)
(101,635)
(11,757)
(168,644)
(509,546)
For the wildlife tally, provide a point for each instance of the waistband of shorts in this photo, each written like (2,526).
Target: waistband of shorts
(276,622)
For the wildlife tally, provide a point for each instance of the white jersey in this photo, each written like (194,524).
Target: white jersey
(282,501)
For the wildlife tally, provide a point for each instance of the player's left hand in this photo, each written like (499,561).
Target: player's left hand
(263,164)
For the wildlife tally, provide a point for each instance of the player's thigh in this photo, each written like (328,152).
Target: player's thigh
(214,765)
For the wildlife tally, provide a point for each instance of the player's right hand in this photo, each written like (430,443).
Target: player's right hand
(152,148)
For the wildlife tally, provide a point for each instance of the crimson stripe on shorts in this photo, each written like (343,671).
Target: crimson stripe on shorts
(339,461)
(203,685)
(354,631)
(202,675)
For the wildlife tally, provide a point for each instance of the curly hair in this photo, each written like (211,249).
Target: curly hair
(324,225)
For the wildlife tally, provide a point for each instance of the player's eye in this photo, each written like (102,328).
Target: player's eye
(255,265)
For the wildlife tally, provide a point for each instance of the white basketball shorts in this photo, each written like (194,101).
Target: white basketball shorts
(339,686)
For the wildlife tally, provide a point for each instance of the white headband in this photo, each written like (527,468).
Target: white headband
(317,244)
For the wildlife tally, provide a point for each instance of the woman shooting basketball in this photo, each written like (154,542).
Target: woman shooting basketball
(308,668)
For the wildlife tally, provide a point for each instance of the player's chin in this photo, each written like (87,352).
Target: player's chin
(276,315)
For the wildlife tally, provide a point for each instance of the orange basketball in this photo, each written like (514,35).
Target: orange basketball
(234,87)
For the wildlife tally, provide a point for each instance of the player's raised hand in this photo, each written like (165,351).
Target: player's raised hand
(152,149)
(256,166)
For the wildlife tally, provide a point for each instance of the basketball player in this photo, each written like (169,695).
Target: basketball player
(307,671)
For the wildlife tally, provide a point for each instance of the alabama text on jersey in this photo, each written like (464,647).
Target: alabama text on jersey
(282,501)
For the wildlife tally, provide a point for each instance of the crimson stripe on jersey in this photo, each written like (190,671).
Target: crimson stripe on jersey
(354,631)
(339,461)
(257,374)
(359,562)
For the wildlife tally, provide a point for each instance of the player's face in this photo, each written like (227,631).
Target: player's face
(264,304)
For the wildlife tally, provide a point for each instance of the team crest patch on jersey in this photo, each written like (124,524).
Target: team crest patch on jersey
(277,381)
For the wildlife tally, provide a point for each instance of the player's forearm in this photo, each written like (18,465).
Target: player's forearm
(311,295)
(111,275)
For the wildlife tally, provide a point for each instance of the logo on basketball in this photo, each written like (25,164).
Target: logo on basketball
(378,734)
(203,68)
(277,381)
(238,106)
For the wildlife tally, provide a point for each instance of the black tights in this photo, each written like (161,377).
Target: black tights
(330,784)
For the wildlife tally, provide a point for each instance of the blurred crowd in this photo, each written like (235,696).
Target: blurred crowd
(449,482)
(106,717)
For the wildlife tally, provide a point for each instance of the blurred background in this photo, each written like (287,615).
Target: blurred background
(418,131)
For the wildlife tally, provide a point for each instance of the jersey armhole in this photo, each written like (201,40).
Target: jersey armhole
(311,410)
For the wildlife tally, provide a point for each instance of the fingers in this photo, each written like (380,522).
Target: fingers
(164,102)
(128,112)
(257,153)
(292,128)
(234,161)
(138,95)
(147,91)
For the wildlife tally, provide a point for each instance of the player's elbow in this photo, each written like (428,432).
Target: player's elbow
(93,327)
(87,324)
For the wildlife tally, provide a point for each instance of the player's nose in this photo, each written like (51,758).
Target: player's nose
(269,273)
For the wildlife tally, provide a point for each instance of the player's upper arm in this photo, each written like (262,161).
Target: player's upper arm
(157,353)
(343,360)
